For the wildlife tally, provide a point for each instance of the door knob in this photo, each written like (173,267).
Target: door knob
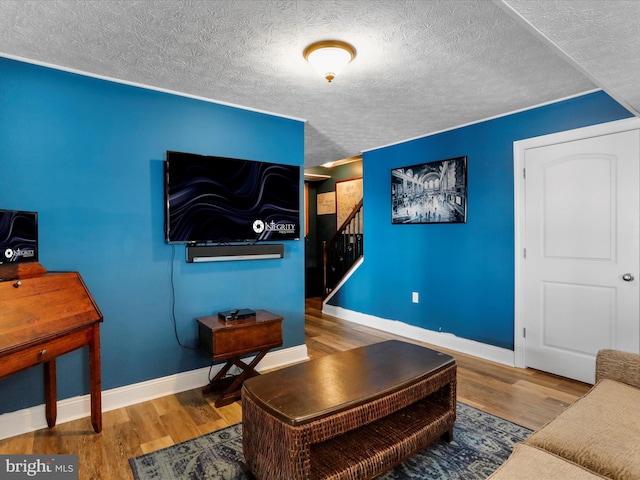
(627,277)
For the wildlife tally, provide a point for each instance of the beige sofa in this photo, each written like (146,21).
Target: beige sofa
(597,437)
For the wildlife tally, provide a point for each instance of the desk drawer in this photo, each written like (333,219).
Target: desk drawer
(44,351)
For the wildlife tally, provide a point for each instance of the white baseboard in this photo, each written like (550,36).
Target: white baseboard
(445,340)
(33,418)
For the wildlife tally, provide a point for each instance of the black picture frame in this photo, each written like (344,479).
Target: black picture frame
(431,192)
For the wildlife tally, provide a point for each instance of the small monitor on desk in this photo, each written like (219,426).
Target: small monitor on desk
(18,237)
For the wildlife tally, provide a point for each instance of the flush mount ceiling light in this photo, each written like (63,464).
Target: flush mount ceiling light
(329,57)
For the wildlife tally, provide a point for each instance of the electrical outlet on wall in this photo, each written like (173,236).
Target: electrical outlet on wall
(415,298)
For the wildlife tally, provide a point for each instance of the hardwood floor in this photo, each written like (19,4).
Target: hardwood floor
(526,397)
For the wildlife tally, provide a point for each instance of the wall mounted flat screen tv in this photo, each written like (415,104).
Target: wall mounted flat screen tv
(217,200)
(18,237)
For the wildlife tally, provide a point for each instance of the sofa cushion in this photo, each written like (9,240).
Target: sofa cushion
(531,463)
(601,431)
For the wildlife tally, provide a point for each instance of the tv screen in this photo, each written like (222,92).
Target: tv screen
(217,199)
(18,237)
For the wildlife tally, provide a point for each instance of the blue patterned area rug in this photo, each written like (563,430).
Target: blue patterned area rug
(482,442)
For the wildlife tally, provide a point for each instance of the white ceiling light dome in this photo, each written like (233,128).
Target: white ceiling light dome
(329,57)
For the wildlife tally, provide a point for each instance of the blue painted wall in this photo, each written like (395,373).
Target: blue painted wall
(88,154)
(464,273)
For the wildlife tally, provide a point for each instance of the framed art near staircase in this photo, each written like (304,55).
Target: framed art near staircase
(348,195)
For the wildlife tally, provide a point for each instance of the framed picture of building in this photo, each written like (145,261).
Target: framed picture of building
(433,192)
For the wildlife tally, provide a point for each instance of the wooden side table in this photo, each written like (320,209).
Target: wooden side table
(230,341)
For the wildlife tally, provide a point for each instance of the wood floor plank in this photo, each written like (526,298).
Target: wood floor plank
(157,444)
(115,417)
(168,404)
(146,422)
(17,445)
(197,406)
(215,426)
(91,456)
(180,425)
(231,413)
(119,443)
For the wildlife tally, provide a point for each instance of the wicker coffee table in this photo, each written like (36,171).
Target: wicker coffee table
(351,415)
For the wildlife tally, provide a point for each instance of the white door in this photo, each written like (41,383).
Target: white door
(581,252)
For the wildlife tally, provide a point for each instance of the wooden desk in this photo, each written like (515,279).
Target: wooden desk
(44,315)
(231,340)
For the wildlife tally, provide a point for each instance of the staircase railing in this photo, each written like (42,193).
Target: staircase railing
(343,250)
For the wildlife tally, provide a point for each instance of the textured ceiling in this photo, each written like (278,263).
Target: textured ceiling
(422,66)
